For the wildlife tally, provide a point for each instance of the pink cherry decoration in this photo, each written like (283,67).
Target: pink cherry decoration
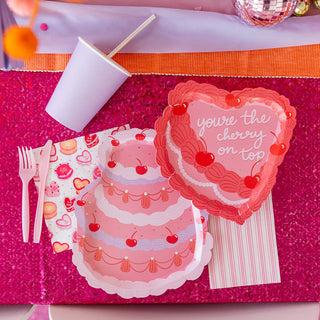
(204,158)
(81,203)
(231,100)
(141,136)
(141,169)
(278,148)
(252,181)
(289,114)
(111,164)
(94,227)
(131,242)
(179,109)
(173,238)
(114,141)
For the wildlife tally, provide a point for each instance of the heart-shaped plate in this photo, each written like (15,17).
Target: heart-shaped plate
(222,150)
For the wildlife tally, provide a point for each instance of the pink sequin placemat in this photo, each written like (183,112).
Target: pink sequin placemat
(32,274)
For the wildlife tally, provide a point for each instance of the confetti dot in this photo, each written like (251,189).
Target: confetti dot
(43,26)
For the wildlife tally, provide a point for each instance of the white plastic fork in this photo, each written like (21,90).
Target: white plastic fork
(27,169)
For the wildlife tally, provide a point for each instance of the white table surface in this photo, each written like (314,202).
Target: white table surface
(236,311)
(281,311)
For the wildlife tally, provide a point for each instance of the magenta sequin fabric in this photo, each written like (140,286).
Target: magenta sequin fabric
(32,274)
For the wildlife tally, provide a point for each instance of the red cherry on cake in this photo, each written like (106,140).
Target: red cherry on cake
(94,227)
(81,203)
(179,109)
(141,169)
(114,141)
(277,148)
(231,100)
(204,158)
(252,181)
(172,239)
(289,114)
(141,136)
(111,164)
(131,243)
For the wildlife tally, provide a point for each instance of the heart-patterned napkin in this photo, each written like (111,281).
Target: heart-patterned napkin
(73,165)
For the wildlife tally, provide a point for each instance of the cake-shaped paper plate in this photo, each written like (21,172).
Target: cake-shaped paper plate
(222,150)
(136,235)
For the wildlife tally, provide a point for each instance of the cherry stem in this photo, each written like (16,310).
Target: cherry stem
(133,234)
(275,136)
(116,130)
(205,144)
(254,166)
(169,230)
(144,130)
(113,138)
(94,218)
(139,161)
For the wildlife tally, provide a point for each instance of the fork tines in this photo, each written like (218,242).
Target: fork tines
(27,169)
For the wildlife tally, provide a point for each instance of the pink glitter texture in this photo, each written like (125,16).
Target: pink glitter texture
(32,274)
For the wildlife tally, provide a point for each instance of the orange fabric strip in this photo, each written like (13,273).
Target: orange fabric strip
(301,61)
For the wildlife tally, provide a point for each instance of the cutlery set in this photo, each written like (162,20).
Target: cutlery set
(27,170)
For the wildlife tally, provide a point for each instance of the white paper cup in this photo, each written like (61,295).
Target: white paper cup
(88,82)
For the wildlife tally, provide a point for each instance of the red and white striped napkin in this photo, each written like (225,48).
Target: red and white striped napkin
(244,254)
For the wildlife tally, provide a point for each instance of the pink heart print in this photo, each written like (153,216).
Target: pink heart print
(65,222)
(222,149)
(85,157)
(59,247)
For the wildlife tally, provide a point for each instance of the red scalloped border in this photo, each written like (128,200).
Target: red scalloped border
(190,91)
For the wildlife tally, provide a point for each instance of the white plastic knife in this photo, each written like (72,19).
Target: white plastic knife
(43,172)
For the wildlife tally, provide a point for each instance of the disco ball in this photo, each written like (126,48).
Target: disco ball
(264,13)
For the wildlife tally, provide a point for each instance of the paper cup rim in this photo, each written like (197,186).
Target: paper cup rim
(104,56)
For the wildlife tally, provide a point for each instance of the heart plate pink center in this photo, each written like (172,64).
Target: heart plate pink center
(222,149)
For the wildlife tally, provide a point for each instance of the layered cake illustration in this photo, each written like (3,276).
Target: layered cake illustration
(136,235)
